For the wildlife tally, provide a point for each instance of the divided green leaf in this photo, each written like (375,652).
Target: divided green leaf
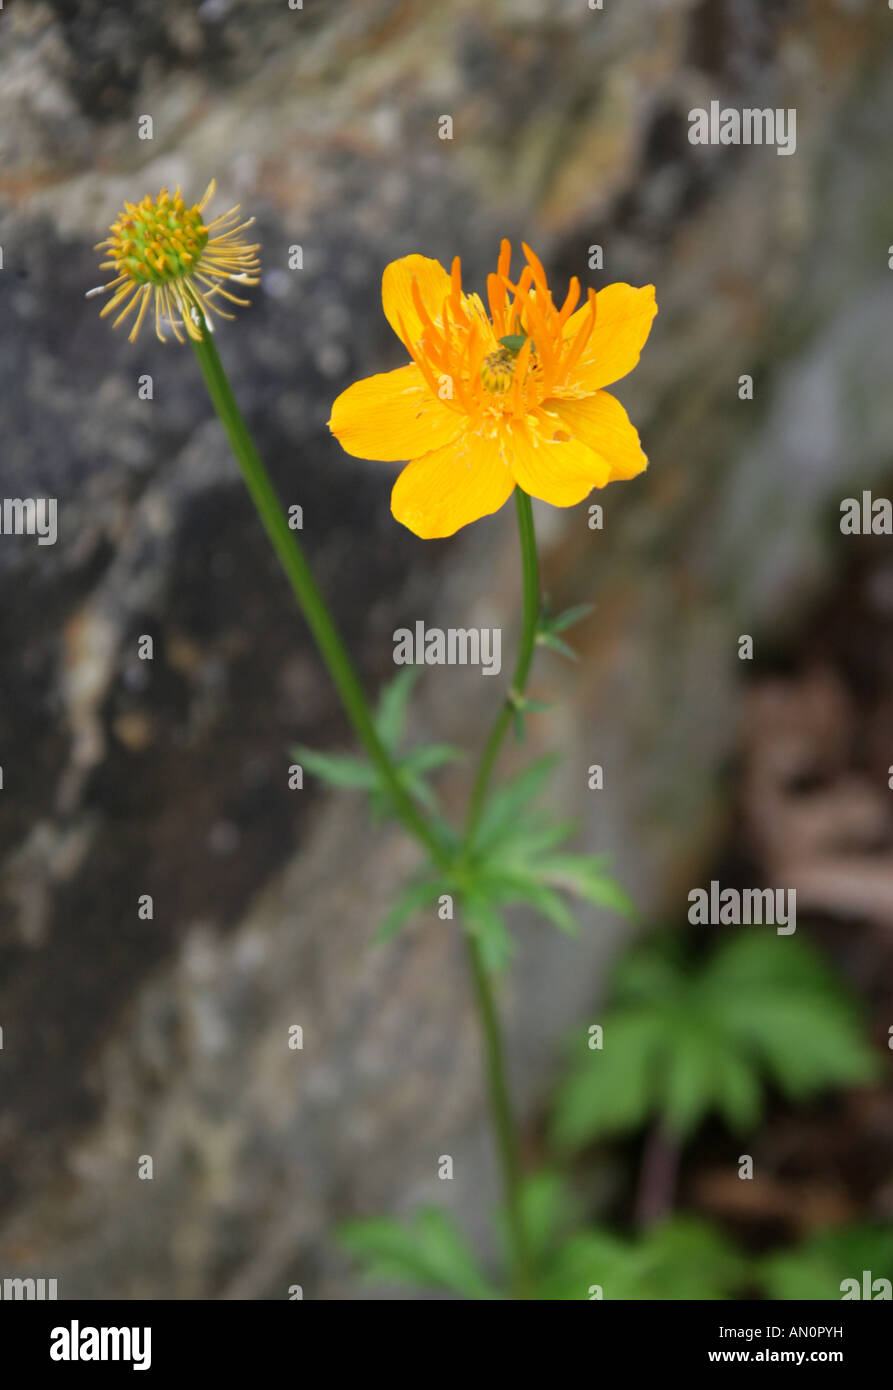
(679,1259)
(817,1269)
(413,767)
(681,1042)
(549,627)
(514,858)
(428,1250)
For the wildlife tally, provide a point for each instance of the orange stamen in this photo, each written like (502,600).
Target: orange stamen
(570,303)
(496,296)
(539,275)
(522,362)
(584,333)
(452,358)
(456,304)
(420,361)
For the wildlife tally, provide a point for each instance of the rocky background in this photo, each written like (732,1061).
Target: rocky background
(168,1038)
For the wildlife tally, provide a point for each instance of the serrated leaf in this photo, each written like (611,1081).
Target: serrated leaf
(678,1260)
(428,1250)
(345,771)
(419,790)
(754,960)
(393,702)
(546,1208)
(688,1085)
(781,1002)
(549,628)
(337,769)
(524,888)
(584,1261)
(413,767)
(752,1012)
(508,800)
(430,756)
(412,898)
(587,877)
(653,973)
(512,884)
(806,1046)
(611,1090)
(737,1091)
(693,1261)
(570,616)
(556,644)
(531,837)
(485,923)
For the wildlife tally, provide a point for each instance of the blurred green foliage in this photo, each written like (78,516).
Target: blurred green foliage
(684,1039)
(816,1269)
(428,1250)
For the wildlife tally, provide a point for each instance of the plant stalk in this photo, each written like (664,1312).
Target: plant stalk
(310,601)
(531,592)
(494,1054)
(347,684)
(657,1177)
(503,1120)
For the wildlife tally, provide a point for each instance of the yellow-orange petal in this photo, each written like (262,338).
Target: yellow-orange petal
(549,463)
(622,324)
(601,422)
(392,416)
(397,297)
(446,489)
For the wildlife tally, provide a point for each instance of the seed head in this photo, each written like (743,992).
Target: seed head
(163,253)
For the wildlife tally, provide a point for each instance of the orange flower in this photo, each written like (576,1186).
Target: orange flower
(491,401)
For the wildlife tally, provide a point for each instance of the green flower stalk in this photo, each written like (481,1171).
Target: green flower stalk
(346,682)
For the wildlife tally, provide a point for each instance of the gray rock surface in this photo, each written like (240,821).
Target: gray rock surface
(169,1038)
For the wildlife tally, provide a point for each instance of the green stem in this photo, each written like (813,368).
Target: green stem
(531,588)
(503,1120)
(347,684)
(494,1055)
(312,605)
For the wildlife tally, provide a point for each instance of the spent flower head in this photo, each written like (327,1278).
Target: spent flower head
(491,401)
(166,256)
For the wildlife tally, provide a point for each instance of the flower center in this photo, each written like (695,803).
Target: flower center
(498,367)
(158,240)
(497,371)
